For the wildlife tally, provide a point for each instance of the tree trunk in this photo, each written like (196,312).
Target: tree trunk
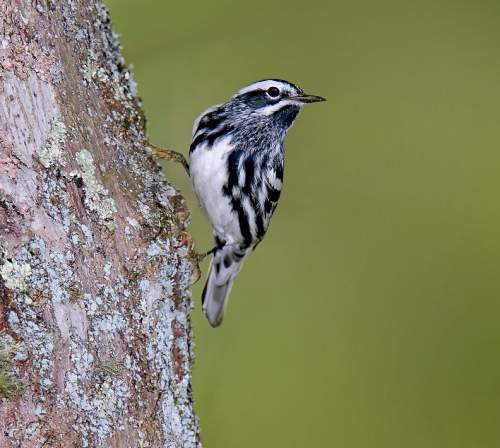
(95,261)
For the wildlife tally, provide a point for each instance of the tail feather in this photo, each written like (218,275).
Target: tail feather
(225,265)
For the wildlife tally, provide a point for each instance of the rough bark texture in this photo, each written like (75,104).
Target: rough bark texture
(95,261)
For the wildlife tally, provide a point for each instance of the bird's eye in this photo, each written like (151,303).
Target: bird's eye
(273,92)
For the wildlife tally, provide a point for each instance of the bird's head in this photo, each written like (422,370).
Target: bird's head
(263,109)
(272,98)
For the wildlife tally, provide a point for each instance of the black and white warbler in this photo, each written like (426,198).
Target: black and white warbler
(236,162)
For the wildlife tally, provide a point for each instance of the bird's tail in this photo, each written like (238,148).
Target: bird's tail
(225,265)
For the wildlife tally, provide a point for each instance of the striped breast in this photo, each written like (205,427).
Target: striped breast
(253,187)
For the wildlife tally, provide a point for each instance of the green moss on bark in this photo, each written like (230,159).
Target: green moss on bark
(10,385)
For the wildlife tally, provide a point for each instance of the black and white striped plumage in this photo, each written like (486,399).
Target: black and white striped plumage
(236,166)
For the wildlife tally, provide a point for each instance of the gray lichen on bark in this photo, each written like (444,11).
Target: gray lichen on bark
(95,261)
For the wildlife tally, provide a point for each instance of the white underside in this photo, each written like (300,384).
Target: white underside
(208,170)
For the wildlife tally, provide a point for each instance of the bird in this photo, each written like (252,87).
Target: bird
(236,165)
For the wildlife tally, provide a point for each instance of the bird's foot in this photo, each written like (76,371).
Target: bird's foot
(196,260)
(169,154)
(203,255)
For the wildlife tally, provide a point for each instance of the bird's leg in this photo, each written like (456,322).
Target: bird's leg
(202,256)
(169,154)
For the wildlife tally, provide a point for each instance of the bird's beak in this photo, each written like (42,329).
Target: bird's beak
(304,98)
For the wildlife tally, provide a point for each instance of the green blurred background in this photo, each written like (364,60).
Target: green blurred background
(370,315)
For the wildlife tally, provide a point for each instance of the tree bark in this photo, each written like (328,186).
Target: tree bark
(95,261)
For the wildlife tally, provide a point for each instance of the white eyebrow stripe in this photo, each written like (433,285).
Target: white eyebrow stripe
(268,110)
(263,85)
